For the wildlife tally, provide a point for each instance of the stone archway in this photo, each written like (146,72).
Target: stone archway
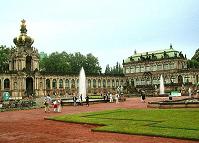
(28,63)
(147,76)
(6,84)
(180,80)
(29,86)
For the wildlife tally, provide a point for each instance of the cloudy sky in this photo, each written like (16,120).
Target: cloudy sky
(109,29)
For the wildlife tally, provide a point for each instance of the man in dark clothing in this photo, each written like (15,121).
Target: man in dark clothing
(104,97)
(143,95)
(87,100)
(74,100)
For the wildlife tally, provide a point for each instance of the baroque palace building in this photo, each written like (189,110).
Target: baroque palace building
(140,70)
(144,69)
(24,78)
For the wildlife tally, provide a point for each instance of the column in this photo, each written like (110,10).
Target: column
(69,83)
(44,83)
(57,83)
(51,83)
(64,83)
(24,83)
(2,84)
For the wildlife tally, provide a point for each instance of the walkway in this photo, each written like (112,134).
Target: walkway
(30,126)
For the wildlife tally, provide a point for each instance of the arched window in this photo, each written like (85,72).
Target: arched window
(99,83)
(67,83)
(121,82)
(104,83)
(77,82)
(180,79)
(28,63)
(94,83)
(89,83)
(47,83)
(54,83)
(108,83)
(60,83)
(73,83)
(6,83)
(113,83)
(117,82)
(132,82)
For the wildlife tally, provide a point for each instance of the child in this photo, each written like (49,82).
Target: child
(59,105)
(55,106)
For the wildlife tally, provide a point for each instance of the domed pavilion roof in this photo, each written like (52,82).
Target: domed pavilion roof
(23,39)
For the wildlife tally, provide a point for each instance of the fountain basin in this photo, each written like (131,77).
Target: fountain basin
(183,103)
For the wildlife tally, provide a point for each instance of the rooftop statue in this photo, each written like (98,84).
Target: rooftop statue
(23,27)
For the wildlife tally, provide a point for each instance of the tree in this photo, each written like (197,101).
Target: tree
(63,63)
(194,62)
(107,70)
(115,70)
(196,56)
(91,65)
(4,58)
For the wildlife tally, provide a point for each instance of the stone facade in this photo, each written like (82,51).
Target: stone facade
(143,69)
(24,79)
(140,69)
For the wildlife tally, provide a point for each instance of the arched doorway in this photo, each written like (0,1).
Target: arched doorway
(147,76)
(180,80)
(29,86)
(28,63)
(6,84)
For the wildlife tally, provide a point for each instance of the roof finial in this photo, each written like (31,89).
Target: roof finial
(171,46)
(135,52)
(23,27)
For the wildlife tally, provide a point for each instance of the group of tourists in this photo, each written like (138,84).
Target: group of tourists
(78,100)
(56,104)
(109,97)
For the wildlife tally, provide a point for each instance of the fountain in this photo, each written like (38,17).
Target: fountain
(179,103)
(161,85)
(82,84)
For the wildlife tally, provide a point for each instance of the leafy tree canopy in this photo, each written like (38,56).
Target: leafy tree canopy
(194,62)
(115,70)
(65,63)
(4,58)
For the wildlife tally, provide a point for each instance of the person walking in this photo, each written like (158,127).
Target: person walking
(189,92)
(55,105)
(87,100)
(143,96)
(74,100)
(116,98)
(59,103)
(47,103)
(81,100)
(111,97)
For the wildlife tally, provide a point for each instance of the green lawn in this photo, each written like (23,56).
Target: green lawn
(174,123)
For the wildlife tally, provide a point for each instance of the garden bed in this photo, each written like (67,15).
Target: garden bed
(184,103)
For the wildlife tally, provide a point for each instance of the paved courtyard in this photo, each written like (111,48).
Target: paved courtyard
(29,126)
